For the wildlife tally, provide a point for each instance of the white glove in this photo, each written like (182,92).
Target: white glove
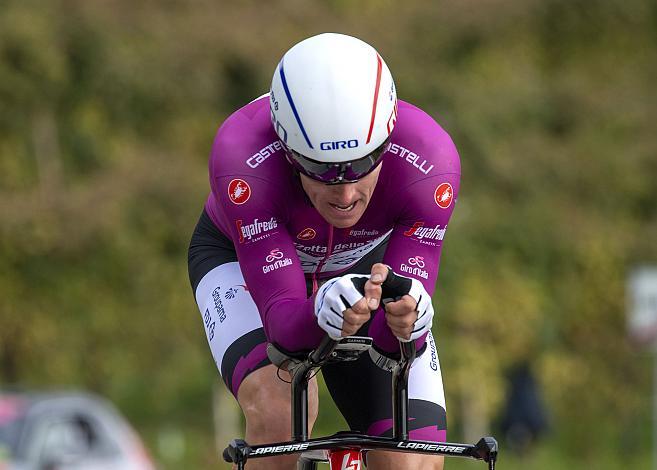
(424,311)
(336,296)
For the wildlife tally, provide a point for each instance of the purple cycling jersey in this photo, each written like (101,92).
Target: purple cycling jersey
(281,240)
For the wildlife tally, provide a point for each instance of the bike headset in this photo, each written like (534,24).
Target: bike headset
(333,105)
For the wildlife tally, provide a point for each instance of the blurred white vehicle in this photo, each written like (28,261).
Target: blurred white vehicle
(66,431)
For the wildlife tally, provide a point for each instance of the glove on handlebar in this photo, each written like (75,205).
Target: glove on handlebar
(336,296)
(396,286)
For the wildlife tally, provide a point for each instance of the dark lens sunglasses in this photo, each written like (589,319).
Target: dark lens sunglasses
(339,172)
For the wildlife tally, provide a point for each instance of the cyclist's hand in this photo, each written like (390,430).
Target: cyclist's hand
(373,285)
(355,317)
(340,306)
(411,315)
(359,314)
(401,316)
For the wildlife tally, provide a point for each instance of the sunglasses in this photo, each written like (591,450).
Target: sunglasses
(338,172)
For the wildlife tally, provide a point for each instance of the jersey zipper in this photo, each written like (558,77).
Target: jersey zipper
(329,250)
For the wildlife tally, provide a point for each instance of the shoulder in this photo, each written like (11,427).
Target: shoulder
(421,168)
(248,170)
(247,147)
(419,140)
(246,141)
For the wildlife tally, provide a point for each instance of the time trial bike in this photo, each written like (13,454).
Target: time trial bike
(344,450)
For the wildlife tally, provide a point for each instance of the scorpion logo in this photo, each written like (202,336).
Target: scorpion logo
(239,191)
(443,195)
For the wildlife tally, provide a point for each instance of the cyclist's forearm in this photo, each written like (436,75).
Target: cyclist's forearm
(292,325)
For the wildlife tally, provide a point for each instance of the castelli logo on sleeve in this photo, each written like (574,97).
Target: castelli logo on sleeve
(239,191)
(444,195)
(307,234)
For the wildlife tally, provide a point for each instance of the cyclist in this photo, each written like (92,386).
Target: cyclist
(318,189)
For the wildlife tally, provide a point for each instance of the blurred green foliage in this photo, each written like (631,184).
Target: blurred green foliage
(107,114)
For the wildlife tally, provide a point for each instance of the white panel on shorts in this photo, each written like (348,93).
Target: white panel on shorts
(227,308)
(425,381)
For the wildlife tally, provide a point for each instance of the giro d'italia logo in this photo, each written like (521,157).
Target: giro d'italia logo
(416,261)
(274,255)
(444,195)
(239,191)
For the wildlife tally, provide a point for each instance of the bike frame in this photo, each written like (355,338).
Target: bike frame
(344,449)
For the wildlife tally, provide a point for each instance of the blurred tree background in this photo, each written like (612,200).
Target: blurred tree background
(107,114)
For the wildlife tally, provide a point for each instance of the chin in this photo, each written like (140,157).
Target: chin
(345,222)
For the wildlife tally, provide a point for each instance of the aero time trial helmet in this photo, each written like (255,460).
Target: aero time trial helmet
(333,104)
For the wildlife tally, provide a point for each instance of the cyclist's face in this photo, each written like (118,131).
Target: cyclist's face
(341,205)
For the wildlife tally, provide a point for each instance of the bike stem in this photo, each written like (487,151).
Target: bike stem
(299,387)
(400,391)
(302,374)
(300,405)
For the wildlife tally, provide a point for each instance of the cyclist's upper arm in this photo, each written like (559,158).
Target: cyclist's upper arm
(268,261)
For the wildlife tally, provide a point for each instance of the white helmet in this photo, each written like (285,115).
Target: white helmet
(333,104)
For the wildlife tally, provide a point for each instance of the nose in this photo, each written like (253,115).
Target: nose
(344,194)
